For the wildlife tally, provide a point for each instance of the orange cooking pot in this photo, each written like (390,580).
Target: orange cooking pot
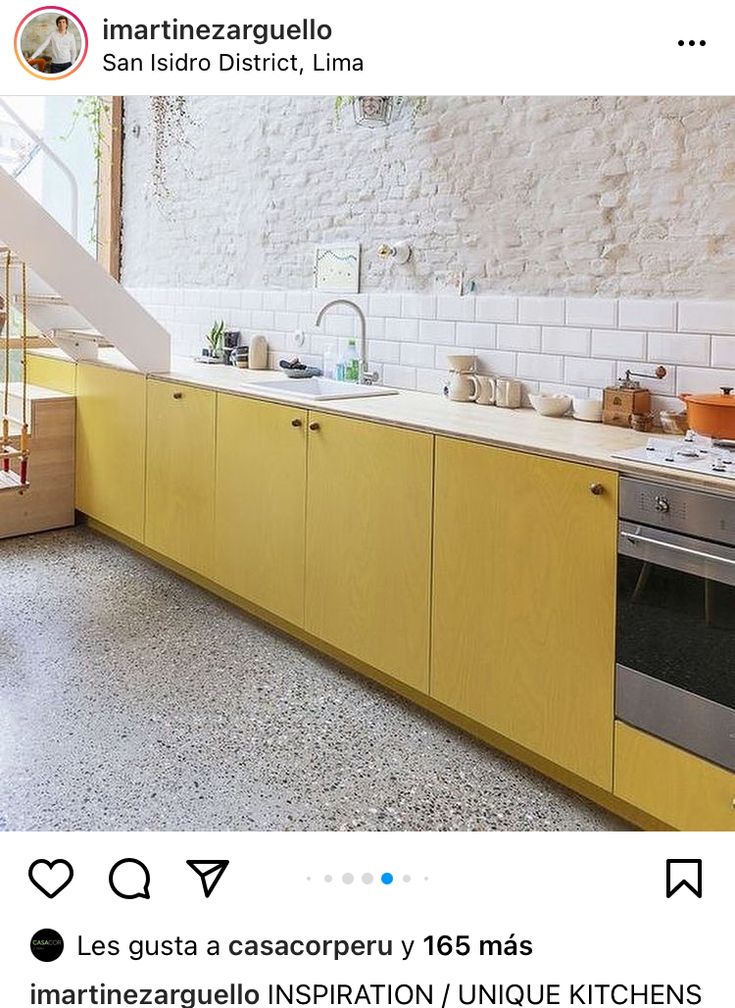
(711,414)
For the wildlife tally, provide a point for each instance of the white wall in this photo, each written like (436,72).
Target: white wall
(600,231)
(546,195)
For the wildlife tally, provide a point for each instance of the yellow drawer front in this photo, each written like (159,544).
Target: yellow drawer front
(51,373)
(682,790)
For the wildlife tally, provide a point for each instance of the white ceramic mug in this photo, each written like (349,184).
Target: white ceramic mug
(463,387)
(507,393)
(486,394)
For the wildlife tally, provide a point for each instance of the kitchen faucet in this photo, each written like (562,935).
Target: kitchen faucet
(366,377)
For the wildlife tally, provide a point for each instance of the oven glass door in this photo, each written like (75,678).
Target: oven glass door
(676,611)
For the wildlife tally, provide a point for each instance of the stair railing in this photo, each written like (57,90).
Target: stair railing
(61,165)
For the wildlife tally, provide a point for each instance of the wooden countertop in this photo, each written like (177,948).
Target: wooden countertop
(522,429)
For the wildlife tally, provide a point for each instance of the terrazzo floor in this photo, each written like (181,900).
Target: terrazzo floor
(133,700)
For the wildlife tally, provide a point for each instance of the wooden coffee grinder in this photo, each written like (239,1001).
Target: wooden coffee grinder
(621,401)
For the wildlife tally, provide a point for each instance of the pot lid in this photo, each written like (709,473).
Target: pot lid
(723,398)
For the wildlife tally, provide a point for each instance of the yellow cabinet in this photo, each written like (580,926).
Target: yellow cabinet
(180,474)
(368,543)
(676,787)
(524,600)
(52,373)
(111,431)
(260,504)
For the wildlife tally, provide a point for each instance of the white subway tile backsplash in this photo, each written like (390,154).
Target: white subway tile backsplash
(476,334)
(703,379)
(299,301)
(418,355)
(589,372)
(678,348)
(384,304)
(418,306)
(707,316)
(496,362)
(262,319)
(381,350)
(647,314)
(618,343)
(455,308)
(565,340)
(251,299)
(592,311)
(431,331)
(496,308)
(723,352)
(544,367)
(430,380)
(410,335)
(555,388)
(274,300)
(399,377)
(542,310)
(519,337)
(403,329)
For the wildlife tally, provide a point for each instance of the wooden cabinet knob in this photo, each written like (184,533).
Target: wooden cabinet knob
(314,425)
(178,395)
(597,489)
(295,422)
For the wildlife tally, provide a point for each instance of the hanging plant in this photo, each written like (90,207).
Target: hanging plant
(95,113)
(170,121)
(379,110)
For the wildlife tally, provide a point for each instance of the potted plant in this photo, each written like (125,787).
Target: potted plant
(378,110)
(214,339)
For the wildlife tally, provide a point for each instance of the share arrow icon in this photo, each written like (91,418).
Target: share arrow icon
(210,872)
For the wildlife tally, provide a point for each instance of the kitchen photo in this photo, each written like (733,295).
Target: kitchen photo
(367,463)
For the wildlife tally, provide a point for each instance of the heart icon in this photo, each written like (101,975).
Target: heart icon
(51,877)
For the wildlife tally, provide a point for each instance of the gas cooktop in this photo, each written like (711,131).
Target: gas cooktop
(692,453)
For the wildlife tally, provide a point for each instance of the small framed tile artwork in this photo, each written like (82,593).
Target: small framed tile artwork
(337,268)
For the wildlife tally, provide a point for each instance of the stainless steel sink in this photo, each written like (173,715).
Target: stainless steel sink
(321,389)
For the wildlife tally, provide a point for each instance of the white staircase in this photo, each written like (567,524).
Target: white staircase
(71,298)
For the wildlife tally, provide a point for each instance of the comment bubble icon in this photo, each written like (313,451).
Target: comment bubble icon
(130,879)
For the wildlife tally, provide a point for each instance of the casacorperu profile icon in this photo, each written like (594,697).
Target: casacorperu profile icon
(51,43)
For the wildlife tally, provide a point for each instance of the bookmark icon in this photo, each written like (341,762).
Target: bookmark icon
(209,872)
(684,873)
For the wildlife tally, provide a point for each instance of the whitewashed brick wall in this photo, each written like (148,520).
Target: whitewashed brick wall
(600,232)
(575,345)
(529,195)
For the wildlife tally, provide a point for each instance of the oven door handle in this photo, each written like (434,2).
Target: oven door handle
(678,555)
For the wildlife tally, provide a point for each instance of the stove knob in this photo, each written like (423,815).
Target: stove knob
(662,505)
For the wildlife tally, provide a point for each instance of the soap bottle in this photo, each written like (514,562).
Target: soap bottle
(351,363)
(331,364)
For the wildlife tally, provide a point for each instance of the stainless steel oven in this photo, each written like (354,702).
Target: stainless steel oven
(675,674)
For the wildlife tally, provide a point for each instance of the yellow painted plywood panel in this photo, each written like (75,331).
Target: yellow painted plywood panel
(524,600)
(180,474)
(682,790)
(368,566)
(48,372)
(111,432)
(260,508)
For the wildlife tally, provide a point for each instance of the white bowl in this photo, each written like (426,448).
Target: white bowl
(550,404)
(588,409)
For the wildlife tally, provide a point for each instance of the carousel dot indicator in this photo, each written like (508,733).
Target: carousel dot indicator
(348,878)
(367,878)
(386,878)
(406,878)
(327,878)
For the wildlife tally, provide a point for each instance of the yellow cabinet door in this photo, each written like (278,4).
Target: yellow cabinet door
(111,431)
(680,789)
(524,600)
(52,373)
(179,519)
(260,504)
(368,543)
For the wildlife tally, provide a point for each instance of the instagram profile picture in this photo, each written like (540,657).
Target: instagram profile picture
(51,43)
